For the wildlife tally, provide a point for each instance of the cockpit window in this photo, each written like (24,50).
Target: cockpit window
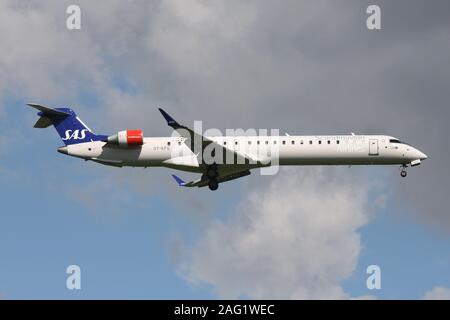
(397,141)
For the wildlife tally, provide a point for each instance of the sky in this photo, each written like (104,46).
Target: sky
(303,67)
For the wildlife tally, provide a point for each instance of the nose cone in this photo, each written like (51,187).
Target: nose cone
(421,155)
(63,150)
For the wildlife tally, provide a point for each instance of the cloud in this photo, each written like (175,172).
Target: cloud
(39,57)
(191,35)
(438,293)
(296,238)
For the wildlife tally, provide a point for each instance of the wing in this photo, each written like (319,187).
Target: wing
(203,181)
(197,143)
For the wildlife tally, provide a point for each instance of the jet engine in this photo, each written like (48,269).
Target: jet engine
(127,138)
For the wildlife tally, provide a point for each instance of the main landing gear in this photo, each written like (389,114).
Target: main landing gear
(211,174)
(213,184)
(403,173)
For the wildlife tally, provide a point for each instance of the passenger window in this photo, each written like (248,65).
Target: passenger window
(168,143)
(257,142)
(301,142)
(224,143)
(284,141)
(320,142)
(310,141)
(179,143)
(249,142)
(274,141)
(328,141)
(337,141)
(292,142)
(267,142)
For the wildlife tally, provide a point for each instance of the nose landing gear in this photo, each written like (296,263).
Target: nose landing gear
(403,173)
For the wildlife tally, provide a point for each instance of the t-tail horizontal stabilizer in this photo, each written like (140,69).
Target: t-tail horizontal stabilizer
(45,113)
(49,111)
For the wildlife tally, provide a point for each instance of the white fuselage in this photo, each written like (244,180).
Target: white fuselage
(283,150)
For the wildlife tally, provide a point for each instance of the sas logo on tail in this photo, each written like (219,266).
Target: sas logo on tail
(75,134)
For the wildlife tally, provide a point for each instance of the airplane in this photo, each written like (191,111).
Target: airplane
(232,157)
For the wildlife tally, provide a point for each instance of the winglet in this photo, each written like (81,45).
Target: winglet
(170,121)
(180,182)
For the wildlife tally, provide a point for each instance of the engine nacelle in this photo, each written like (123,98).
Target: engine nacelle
(127,138)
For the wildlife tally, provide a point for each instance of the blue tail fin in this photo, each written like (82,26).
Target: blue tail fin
(69,127)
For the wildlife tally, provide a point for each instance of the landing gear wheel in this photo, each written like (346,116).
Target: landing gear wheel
(213,184)
(403,173)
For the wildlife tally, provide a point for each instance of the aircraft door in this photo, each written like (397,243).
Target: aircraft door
(373,147)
